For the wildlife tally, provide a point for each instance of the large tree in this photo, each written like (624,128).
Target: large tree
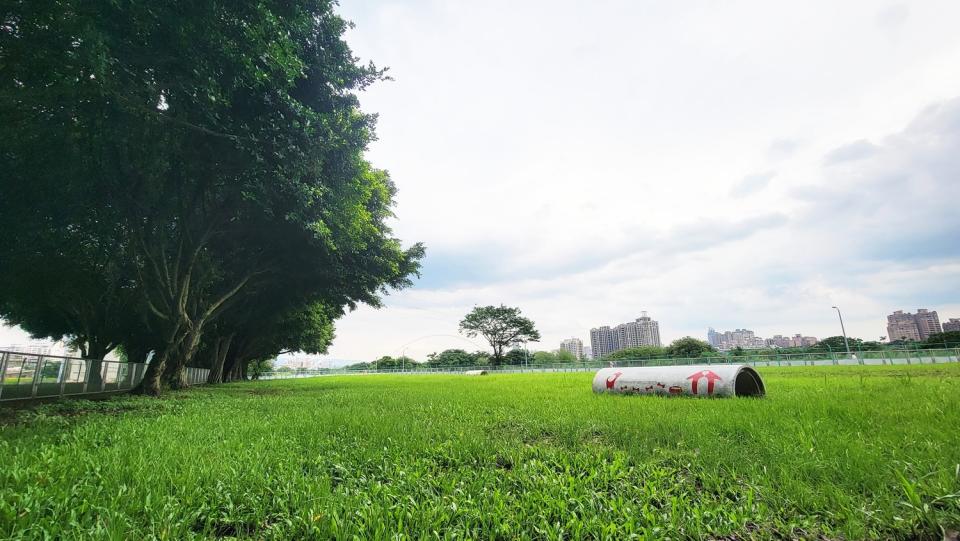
(503,327)
(221,141)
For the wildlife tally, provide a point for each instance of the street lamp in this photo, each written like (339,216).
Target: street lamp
(845,343)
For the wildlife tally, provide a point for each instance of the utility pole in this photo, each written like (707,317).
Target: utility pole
(844,331)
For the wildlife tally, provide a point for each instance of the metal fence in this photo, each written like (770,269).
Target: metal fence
(27,375)
(878,357)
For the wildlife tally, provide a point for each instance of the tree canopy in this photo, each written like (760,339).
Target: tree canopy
(944,339)
(689,347)
(836,343)
(640,352)
(455,357)
(503,327)
(189,177)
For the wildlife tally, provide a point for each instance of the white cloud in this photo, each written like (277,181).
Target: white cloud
(752,183)
(588,161)
(856,150)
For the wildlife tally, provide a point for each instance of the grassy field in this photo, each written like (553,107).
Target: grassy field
(832,452)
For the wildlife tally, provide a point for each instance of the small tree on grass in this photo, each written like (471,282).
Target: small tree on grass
(689,347)
(503,327)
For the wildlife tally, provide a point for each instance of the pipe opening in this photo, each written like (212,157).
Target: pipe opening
(748,383)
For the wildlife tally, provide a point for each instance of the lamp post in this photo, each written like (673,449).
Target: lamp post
(842,329)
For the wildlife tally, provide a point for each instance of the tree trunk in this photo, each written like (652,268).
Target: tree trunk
(497,358)
(95,352)
(220,349)
(175,375)
(150,384)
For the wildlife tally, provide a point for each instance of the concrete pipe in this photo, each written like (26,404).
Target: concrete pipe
(475,373)
(694,380)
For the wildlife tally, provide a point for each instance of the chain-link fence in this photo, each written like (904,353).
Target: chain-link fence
(28,375)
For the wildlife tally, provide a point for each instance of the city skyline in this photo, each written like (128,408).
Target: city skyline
(951,325)
(606,339)
(747,339)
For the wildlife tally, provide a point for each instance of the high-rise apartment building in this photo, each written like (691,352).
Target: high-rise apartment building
(902,326)
(795,341)
(713,337)
(642,332)
(747,339)
(601,341)
(913,327)
(649,331)
(742,338)
(573,345)
(928,322)
(951,325)
(620,339)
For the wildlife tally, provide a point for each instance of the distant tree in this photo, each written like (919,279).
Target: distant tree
(243,336)
(515,357)
(261,367)
(451,357)
(944,339)
(390,363)
(501,326)
(551,357)
(544,357)
(738,351)
(481,358)
(640,352)
(385,363)
(689,347)
(359,366)
(835,343)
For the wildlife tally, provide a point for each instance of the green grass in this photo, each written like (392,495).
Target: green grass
(837,452)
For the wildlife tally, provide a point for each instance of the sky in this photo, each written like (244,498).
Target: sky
(735,164)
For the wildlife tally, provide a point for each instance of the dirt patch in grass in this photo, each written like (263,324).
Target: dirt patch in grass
(74,408)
